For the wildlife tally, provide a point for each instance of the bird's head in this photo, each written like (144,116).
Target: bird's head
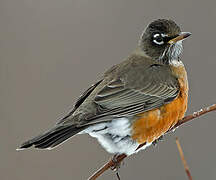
(162,40)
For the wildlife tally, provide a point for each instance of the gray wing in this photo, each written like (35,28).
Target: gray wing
(135,92)
(80,100)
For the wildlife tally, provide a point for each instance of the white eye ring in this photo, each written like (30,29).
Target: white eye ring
(155,40)
(156,35)
(159,43)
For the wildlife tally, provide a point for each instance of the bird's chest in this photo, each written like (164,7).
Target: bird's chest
(150,125)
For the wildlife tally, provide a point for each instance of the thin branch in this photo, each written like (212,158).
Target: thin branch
(194,115)
(186,167)
(111,164)
(121,157)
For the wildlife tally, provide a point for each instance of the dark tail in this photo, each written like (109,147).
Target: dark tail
(51,138)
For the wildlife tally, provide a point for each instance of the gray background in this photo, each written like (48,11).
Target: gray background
(51,51)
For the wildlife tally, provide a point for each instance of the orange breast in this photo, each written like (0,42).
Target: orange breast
(152,124)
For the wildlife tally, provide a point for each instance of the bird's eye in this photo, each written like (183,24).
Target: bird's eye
(158,39)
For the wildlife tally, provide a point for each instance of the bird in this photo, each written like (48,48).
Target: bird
(135,102)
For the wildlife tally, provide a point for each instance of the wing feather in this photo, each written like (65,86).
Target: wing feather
(123,98)
(132,87)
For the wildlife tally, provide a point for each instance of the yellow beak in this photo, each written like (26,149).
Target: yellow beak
(182,36)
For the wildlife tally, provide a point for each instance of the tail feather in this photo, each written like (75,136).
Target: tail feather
(52,138)
(55,139)
(55,142)
(45,140)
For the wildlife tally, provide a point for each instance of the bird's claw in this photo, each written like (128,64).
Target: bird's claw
(116,164)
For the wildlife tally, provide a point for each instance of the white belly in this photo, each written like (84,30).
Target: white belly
(115,136)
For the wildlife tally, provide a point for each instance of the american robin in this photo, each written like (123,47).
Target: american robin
(135,102)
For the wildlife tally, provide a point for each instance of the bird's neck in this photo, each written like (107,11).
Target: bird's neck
(138,51)
(173,62)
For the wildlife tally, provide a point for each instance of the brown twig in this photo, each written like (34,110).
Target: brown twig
(108,165)
(194,115)
(121,157)
(183,159)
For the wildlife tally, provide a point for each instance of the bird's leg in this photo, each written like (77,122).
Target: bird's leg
(116,164)
(158,140)
(161,138)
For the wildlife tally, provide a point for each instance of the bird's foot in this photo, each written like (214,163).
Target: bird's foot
(117,161)
(158,140)
(116,164)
